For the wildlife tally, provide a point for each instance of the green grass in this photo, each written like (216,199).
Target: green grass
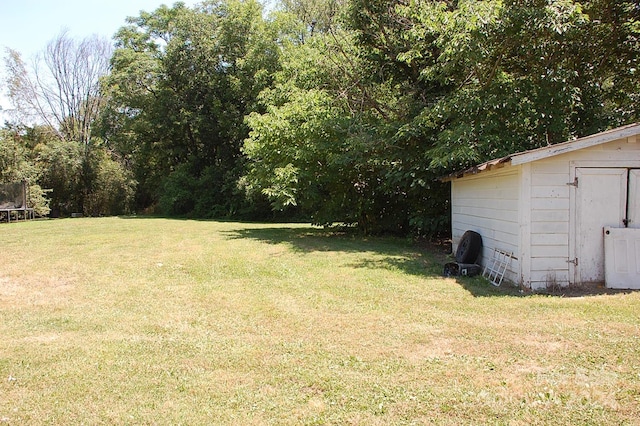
(154,321)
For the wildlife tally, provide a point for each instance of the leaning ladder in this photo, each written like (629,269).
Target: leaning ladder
(496,268)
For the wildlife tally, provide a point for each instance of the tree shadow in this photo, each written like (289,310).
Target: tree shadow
(422,260)
(392,253)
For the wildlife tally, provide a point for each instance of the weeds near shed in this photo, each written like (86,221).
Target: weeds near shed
(553,286)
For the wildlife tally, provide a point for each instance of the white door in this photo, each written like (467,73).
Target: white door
(622,257)
(622,245)
(601,200)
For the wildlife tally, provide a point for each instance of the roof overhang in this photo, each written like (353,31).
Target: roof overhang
(489,165)
(629,131)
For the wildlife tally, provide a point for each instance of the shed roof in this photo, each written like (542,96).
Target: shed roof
(550,151)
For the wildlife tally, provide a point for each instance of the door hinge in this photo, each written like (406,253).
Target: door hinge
(574,183)
(574,261)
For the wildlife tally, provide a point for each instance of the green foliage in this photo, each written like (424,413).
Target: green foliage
(88,180)
(178,193)
(517,75)
(39,200)
(17,165)
(113,188)
(14,163)
(346,112)
(367,113)
(182,82)
(61,163)
(331,142)
(296,151)
(185,194)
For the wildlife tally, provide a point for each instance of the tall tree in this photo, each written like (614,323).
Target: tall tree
(332,140)
(183,80)
(496,77)
(62,87)
(60,92)
(427,87)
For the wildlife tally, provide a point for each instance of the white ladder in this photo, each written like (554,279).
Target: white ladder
(495,269)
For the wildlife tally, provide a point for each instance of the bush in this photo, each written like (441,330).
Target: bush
(38,200)
(16,165)
(178,192)
(61,163)
(113,187)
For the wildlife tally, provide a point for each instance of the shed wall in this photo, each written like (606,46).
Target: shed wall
(488,204)
(529,210)
(549,205)
(552,206)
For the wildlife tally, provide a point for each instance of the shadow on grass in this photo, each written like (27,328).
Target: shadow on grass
(391,253)
(425,260)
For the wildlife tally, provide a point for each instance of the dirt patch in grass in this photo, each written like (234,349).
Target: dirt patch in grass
(34,290)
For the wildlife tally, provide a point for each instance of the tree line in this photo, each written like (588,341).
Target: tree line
(333,111)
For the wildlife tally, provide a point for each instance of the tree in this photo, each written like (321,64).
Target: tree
(61,89)
(401,93)
(329,142)
(182,82)
(17,164)
(61,93)
(491,78)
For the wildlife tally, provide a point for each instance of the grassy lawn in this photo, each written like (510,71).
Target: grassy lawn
(153,321)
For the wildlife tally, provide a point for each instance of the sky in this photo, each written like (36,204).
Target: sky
(28,25)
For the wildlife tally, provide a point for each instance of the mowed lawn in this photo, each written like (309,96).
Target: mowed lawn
(155,321)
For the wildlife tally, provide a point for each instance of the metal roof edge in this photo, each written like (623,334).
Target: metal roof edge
(550,151)
(574,145)
(488,165)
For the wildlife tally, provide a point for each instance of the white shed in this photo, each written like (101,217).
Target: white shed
(556,208)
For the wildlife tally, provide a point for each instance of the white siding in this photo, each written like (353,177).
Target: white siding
(549,206)
(552,215)
(488,204)
(528,209)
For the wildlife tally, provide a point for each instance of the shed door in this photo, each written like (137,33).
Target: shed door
(633,213)
(622,257)
(622,245)
(601,200)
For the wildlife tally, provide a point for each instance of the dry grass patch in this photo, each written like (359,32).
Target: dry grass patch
(153,321)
